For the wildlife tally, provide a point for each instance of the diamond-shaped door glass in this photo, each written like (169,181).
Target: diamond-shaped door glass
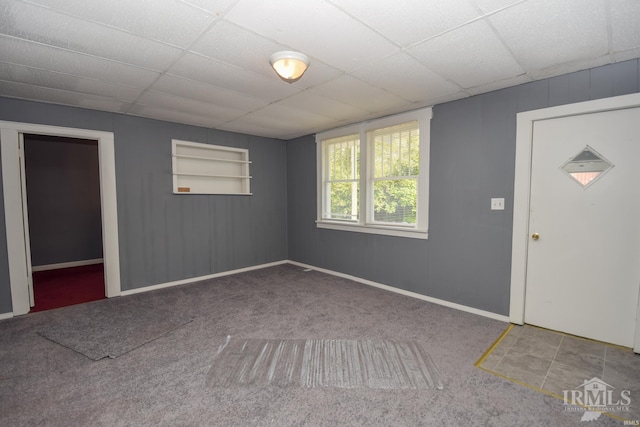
(586,167)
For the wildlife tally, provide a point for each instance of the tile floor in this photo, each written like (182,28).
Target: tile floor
(553,362)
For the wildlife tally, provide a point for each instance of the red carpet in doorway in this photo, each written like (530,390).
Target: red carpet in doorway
(67,286)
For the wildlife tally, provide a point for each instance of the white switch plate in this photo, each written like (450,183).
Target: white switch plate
(497,204)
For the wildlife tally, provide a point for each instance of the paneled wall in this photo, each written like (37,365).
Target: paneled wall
(166,237)
(467,258)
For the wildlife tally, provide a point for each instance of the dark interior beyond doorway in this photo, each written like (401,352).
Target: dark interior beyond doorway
(62,185)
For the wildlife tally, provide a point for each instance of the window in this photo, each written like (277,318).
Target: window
(373,176)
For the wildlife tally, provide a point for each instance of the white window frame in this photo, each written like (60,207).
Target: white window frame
(365,223)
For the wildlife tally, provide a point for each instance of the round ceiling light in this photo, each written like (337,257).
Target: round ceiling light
(289,65)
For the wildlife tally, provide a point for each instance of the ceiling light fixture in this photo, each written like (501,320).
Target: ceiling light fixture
(289,66)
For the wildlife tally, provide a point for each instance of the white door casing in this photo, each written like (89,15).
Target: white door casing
(25,219)
(522,196)
(9,143)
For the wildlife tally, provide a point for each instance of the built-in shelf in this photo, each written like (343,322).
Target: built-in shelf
(210,169)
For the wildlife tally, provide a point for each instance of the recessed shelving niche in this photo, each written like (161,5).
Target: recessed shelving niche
(210,169)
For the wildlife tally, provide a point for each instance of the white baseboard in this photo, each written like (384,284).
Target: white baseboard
(6,315)
(445,303)
(449,304)
(67,264)
(199,278)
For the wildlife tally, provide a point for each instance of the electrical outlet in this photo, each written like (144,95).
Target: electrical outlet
(497,204)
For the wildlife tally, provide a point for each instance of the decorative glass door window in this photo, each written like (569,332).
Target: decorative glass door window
(587,167)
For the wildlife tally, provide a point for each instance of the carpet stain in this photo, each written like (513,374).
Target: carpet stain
(372,364)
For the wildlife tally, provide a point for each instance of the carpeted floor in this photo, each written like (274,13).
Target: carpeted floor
(165,381)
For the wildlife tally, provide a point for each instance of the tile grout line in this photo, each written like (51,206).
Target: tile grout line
(507,348)
(495,345)
(552,361)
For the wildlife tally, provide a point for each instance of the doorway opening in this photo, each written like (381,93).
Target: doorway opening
(62,218)
(20,273)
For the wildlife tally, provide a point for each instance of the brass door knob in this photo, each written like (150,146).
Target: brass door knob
(535,236)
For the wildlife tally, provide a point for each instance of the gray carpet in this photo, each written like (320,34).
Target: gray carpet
(164,382)
(111,328)
(374,364)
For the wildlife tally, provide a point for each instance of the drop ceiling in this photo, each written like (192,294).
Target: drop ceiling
(206,62)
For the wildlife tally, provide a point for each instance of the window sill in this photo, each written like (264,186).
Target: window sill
(411,233)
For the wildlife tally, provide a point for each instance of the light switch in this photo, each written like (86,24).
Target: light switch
(497,204)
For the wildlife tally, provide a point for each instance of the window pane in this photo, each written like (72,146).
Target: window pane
(587,166)
(344,200)
(343,157)
(396,150)
(395,201)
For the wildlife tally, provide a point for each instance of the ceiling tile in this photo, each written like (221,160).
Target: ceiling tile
(248,128)
(357,93)
(314,103)
(625,20)
(66,82)
(469,56)
(44,26)
(406,77)
(286,122)
(227,42)
(547,33)
(171,115)
(35,55)
(410,21)
(216,7)
(627,54)
(501,84)
(206,93)
(56,96)
(441,100)
(190,106)
(569,67)
(490,6)
(216,73)
(315,28)
(169,21)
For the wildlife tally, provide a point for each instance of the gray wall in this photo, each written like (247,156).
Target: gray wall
(467,258)
(63,198)
(166,237)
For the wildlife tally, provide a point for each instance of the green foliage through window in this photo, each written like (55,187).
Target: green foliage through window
(396,168)
(343,164)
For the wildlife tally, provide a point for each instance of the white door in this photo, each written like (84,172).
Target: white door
(583,260)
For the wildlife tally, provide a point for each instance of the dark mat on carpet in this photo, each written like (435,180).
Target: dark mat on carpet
(110,328)
(373,364)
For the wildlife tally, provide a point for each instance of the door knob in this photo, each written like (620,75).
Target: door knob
(535,236)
